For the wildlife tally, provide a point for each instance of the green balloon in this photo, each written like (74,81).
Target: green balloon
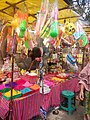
(26,44)
(21,34)
(54,29)
(23,25)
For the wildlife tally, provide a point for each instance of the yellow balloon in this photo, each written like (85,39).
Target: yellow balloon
(14,23)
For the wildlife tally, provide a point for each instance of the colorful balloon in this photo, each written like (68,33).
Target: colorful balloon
(23,25)
(26,44)
(88,37)
(21,34)
(54,29)
(14,23)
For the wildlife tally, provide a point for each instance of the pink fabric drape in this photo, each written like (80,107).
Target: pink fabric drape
(29,106)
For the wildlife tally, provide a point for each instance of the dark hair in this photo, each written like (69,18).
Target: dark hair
(36,52)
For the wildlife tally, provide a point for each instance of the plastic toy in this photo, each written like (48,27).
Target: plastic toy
(69,28)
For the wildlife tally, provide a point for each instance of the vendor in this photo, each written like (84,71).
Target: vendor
(30,62)
(84,81)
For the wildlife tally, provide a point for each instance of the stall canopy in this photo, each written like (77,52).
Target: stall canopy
(87,29)
(85,25)
(9,7)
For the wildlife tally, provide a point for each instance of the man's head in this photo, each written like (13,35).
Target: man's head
(36,53)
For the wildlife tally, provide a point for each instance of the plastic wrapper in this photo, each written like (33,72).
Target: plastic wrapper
(54,24)
(42,15)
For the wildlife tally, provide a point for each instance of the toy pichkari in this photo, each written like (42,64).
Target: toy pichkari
(54,25)
(69,28)
(42,15)
(72,62)
(71,59)
(54,29)
(22,28)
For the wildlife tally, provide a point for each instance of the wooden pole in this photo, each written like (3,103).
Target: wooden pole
(12,56)
(83,59)
(11,100)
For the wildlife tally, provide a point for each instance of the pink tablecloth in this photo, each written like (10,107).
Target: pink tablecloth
(70,85)
(23,109)
(53,98)
(4,108)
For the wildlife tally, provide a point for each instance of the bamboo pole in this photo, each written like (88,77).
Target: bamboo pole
(83,59)
(11,100)
(12,56)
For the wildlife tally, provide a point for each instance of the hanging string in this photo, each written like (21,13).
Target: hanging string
(25,8)
(70,16)
(64,21)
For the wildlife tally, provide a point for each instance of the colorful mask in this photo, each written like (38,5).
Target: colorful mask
(69,28)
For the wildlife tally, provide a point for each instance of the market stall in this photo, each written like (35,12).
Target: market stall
(41,54)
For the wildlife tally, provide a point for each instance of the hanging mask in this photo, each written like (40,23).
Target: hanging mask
(69,28)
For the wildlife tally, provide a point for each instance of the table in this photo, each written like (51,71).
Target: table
(23,108)
(53,98)
(27,107)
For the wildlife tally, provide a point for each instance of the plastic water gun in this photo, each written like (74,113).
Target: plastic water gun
(22,28)
(54,25)
(72,63)
(46,30)
(70,59)
(42,15)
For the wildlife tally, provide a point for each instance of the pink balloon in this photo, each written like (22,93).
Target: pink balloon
(88,37)
(52,41)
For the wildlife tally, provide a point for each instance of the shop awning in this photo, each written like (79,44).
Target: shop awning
(87,29)
(9,7)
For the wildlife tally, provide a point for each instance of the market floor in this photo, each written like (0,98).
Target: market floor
(77,115)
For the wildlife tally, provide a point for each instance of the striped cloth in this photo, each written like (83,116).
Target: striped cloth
(29,106)
(4,107)
(23,108)
(53,98)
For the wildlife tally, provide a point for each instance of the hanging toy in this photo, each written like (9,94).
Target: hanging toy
(14,23)
(69,28)
(54,29)
(23,25)
(71,62)
(88,37)
(54,25)
(83,41)
(26,44)
(22,28)
(70,59)
(21,34)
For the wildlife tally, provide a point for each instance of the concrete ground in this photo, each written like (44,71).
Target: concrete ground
(62,115)
(77,115)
